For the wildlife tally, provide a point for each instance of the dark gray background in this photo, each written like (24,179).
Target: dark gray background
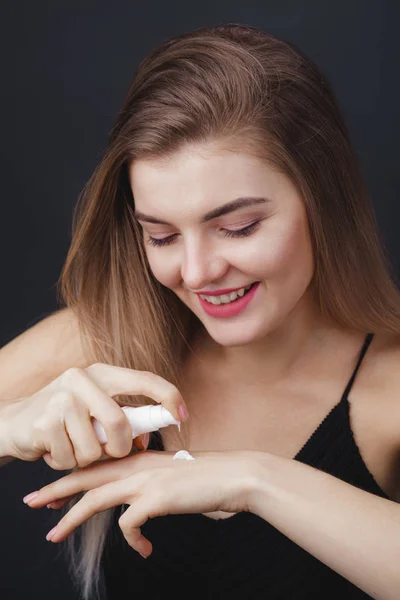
(65,68)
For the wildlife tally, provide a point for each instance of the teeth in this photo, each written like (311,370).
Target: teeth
(226,298)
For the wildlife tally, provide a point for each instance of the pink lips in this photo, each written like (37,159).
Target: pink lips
(220,292)
(232,308)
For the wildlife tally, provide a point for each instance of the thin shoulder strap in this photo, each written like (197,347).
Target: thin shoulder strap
(364,349)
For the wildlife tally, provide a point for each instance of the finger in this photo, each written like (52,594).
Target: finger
(93,476)
(99,474)
(57,504)
(60,454)
(78,425)
(142,441)
(133,519)
(72,484)
(56,465)
(102,407)
(120,380)
(94,501)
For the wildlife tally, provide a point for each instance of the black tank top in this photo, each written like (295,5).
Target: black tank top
(242,556)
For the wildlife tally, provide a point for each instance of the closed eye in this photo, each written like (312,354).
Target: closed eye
(227,232)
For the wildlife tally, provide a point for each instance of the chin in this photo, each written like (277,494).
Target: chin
(235,335)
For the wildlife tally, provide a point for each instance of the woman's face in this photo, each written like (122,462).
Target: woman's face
(199,254)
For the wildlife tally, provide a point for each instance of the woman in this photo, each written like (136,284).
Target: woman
(229,168)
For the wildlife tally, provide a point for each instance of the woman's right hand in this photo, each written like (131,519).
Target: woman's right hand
(56,422)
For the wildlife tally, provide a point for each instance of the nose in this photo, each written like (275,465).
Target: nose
(201,265)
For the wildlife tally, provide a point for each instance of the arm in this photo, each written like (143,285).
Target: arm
(4,459)
(354,532)
(36,357)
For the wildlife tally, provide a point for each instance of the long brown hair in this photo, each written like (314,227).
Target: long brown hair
(256,93)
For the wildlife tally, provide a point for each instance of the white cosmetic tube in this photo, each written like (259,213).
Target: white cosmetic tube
(142,419)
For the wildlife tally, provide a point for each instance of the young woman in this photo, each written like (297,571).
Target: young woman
(225,257)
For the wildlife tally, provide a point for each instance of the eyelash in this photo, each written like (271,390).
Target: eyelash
(232,234)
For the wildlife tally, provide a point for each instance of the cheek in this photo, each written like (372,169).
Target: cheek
(162,268)
(290,257)
(286,258)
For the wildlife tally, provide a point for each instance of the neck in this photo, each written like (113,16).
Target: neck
(293,348)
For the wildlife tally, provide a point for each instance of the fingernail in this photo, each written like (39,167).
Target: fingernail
(51,534)
(30,497)
(183,412)
(145,440)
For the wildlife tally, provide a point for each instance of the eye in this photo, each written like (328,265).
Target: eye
(227,232)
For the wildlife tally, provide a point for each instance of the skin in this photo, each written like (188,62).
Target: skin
(281,327)
(280,334)
(280,337)
(153,485)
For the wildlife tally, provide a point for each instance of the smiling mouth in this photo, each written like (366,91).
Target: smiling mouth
(236,299)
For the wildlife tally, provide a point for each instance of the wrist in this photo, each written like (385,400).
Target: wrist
(5,446)
(260,481)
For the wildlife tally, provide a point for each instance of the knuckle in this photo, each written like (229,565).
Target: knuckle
(174,395)
(54,465)
(72,405)
(40,424)
(89,458)
(65,465)
(123,522)
(92,496)
(47,427)
(94,367)
(71,374)
(121,453)
(171,391)
(62,398)
(96,454)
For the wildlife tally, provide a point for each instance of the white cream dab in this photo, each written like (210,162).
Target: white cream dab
(183,454)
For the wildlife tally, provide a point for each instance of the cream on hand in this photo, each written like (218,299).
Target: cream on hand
(142,419)
(183,455)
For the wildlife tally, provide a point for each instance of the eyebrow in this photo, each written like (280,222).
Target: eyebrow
(226,208)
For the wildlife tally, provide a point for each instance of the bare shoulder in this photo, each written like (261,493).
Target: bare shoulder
(388,376)
(379,416)
(379,383)
(391,381)
(39,354)
(383,372)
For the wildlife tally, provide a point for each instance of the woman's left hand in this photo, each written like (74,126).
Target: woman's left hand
(154,485)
